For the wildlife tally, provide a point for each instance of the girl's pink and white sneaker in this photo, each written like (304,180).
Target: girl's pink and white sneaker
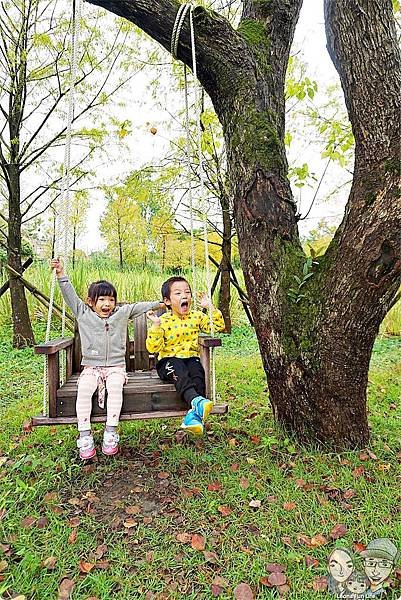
(110,443)
(86,447)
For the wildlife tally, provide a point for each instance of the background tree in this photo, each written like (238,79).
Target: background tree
(77,218)
(123,228)
(34,58)
(315,347)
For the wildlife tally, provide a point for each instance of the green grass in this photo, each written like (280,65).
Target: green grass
(243,457)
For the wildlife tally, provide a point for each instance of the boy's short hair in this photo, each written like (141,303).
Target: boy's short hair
(101,288)
(166,287)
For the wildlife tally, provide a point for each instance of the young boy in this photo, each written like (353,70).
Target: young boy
(174,337)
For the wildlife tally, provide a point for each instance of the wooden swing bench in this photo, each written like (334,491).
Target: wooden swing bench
(145,396)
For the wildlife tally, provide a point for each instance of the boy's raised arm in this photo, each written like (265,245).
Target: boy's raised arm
(217,317)
(155,337)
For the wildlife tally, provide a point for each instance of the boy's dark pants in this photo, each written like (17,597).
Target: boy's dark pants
(187,374)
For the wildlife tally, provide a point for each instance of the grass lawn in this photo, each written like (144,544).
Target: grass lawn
(173,517)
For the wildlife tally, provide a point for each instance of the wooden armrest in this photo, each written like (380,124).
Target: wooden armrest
(53,346)
(152,361)
(208,341)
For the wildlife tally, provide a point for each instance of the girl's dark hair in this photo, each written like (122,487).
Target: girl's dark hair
(166,287)
(101,288)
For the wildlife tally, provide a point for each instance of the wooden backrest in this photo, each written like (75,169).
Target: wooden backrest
(136,355)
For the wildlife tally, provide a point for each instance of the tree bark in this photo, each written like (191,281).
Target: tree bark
(22,328)
(315,337)
(225,279)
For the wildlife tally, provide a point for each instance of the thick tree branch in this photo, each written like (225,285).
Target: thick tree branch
(218,44)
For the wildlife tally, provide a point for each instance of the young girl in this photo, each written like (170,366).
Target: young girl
(103,331)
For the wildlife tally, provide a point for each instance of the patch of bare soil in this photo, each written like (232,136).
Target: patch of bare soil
(135,492)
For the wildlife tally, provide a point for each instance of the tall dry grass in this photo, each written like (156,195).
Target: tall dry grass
(136,284)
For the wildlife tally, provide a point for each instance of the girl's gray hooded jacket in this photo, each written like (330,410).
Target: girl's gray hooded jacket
(103,341)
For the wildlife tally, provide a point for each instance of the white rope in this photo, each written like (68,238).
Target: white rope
(190,195)
(174,47)
(62,225)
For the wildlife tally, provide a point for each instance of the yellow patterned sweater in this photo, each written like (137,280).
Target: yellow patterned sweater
(178,336)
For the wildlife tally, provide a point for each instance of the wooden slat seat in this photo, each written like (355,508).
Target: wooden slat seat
(145,396)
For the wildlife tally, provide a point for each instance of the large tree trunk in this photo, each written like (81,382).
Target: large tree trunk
(315,340)
(22,328)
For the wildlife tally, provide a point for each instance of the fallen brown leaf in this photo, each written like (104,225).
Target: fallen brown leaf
(27,426)
(289,505)
(244,483)
(50,497)
(49,563)
(85,567)
(283,589)
(358,547)
(65,589)
(243,592)
(311,562)
(304,539)
(215,486)
(3,565)
(320,584)
(338,531)
(100,551)
(183,537)
(211,557)
(224,510)
(358,471)
(216,590)
(28,522)
(129,523)
(276,568)
(163,475)
(221,581)
(318,540)
(277,578)
(72,538)
(42,522)
(198,542)
(287,541)
(133,510)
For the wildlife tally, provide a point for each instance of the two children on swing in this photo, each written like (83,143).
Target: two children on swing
(103,329)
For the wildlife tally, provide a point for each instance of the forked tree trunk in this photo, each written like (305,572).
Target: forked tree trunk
(315,341)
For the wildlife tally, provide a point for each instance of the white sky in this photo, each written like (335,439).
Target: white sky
(310,39)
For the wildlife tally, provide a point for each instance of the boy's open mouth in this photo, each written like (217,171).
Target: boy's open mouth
(184,305)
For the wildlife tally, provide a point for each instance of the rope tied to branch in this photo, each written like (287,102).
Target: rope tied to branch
(175,37)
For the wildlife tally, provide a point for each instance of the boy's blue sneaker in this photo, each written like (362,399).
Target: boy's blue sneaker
(191,422)
(202,407)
